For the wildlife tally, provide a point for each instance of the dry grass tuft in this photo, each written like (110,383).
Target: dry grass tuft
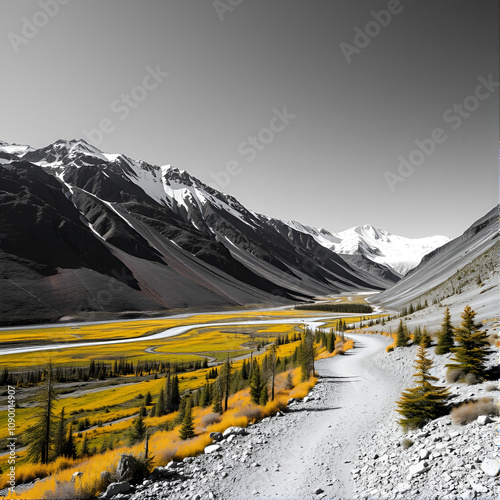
(468,412)
(210,419)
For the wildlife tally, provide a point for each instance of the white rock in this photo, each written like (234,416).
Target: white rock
(424,454)
(490,466)
(467,495)
(478,487)
(484,419)
(403,487)
(237,431)
(416,469)
(212,448)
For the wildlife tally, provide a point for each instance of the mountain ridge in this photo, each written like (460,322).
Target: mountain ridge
(179,242)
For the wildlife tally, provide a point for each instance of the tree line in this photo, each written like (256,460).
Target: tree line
(345,307)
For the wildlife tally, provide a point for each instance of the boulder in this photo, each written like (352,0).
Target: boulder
(416,469)
(76,475)
(128,468)
(237,431)
(174,465)
(117,488)
(403,487)
(216,436)
(424,454)
(467,495)
(318,491)
(484,419)
(212,448)
(490,466)
(479,488)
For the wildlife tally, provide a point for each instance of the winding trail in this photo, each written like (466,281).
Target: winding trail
(313,445)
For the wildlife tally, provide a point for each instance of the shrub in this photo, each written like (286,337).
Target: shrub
(251,412)
(454,375)
(468,412)
(406,443)
(210,419)
(389,348)
(491,387)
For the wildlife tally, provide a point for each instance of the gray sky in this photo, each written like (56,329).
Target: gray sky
(327,165)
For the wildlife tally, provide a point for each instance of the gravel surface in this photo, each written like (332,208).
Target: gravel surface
(343,442)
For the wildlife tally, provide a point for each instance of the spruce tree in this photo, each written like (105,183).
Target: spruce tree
(40,435)
(417,336)
(425,401)
(217,404)
(160,404)
(84,451)
(445,337)
(472,348)
(148,401)
(205,396)
(273,352)
(264,395)
(402,335)
(187,428)
(138,431)
(255,384)
(225,381)
(60,435)
(69,445)
(182,410)
(426,339)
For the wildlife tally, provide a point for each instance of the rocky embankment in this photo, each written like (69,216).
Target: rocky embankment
(343,441)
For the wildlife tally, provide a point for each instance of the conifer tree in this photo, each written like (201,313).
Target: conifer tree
(306,354)
(417,336)
(205,396)
(176,396)
(256,383)
(225,381)
(69,445)
(472,348)
(402,335)
(187,428)
(148,401)
(40,436)
(425,401)
(160,404)
(84,451)
(244,370)
(60,435)
(138,431)
(182,410)
(264,395)
(426,339)
(217,404)
(445,337)
(273,351)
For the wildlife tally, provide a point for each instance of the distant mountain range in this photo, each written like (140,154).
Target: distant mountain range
(84,231)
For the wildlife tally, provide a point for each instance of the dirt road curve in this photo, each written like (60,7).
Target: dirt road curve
(312,446)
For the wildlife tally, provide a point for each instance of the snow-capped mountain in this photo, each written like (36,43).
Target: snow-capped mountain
(84,230)
(400,253)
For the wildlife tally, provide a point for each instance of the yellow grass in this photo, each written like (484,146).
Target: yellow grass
(164,446)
